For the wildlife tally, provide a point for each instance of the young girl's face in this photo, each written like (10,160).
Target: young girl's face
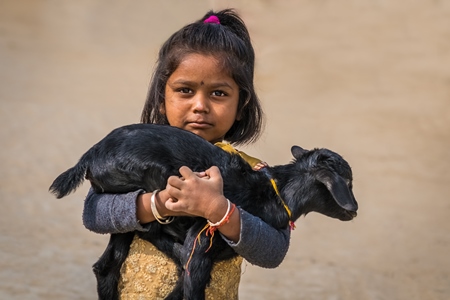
(201,97)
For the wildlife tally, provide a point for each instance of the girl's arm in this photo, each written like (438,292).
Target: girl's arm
(111,213)
(202,195)
(118,213)
(249,236)
(259,243)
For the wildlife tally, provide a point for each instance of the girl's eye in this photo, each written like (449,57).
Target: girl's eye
(185,90)
(218,93)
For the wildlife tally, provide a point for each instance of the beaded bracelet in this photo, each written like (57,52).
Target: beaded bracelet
(230,210)
(155,212)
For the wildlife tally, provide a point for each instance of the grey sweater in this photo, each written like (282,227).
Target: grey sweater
(260,244)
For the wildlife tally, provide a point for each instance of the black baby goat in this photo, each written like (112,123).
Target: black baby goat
(143,156)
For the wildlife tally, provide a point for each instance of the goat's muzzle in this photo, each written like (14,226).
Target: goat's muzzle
(352,214)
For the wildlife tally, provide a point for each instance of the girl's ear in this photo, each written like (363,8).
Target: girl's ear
(162,109)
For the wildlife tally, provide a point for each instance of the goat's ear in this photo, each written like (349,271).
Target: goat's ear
(298,151)
(338,189)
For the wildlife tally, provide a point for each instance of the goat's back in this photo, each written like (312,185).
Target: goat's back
(143,156)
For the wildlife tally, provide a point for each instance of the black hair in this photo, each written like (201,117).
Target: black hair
(229,42)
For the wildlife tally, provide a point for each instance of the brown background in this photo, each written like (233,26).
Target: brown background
(368,79)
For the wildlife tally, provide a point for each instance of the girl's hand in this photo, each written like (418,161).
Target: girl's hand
(199,194)
(260,165)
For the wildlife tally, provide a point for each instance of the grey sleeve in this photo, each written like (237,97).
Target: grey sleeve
(261,244)
(111,213)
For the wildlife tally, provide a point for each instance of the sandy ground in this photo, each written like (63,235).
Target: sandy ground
(368,79)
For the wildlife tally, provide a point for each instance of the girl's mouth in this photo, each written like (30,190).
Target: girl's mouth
(199,125)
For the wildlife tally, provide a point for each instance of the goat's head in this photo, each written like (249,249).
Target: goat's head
(327,185)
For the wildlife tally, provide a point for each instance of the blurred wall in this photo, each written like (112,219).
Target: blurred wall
(368,79)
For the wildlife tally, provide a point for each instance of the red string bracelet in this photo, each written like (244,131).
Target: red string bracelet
(209,231)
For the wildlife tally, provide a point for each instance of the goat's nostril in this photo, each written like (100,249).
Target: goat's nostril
(351,214)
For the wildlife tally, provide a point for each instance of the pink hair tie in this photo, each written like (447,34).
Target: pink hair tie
(212,19)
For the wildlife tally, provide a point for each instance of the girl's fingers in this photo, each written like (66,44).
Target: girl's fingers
(201,174)
(178,208)
(213,172)
(186,173)
(194,191)
(260,165)
(171,204)
(175,181)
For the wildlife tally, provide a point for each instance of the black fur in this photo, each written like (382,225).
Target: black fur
(143,156)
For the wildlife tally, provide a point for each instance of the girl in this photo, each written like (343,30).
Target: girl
(203,83)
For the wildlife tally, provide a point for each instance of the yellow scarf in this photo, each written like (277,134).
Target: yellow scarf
(252,161)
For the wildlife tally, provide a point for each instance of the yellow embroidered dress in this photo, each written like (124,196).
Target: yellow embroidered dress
(147,273)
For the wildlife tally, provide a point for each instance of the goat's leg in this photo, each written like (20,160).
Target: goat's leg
(198,277)
(198,261)
(107,268)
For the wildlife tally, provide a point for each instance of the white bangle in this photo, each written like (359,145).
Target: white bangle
(224,217)
(155,212)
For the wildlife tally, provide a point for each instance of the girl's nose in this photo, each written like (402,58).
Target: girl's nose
(201,103)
